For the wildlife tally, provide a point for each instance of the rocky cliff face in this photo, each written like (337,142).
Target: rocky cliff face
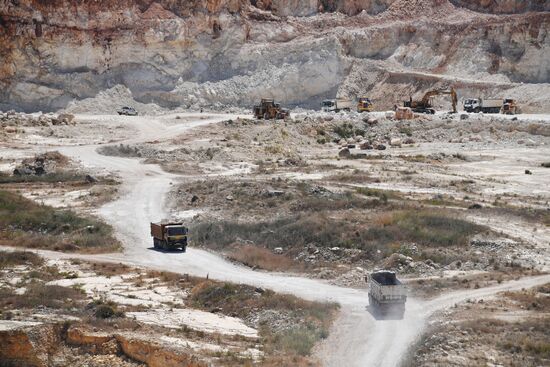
(231,52)
(504,6)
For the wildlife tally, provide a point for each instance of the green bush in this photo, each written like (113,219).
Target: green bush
(25,223)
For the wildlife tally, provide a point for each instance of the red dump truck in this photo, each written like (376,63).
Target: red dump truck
(169,236)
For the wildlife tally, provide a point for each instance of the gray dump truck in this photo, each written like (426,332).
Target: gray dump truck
(387,295)
(482,105)
(169,236)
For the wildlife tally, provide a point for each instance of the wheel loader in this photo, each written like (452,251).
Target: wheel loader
(269,110)
(510,107)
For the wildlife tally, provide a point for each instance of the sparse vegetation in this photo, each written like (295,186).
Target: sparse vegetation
(121,150)
(429,228)
(39,294)
(24,223)
(9,259)
(60,176)
(347,130)
(262,258)
(311,319)
(105,310)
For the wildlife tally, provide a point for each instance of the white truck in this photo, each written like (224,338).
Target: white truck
(482,105)
(336,105)
(387,294)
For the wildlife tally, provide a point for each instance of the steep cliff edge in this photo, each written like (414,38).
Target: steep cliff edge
(230,52)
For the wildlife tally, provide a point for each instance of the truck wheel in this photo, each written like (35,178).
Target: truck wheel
(155,245)
(184,249)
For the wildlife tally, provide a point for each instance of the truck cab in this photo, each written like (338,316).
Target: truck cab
(472,105)
(336,105)
(169,236)
(328,105)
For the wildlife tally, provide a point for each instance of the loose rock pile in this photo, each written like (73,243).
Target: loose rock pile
(12,118)
(41,164)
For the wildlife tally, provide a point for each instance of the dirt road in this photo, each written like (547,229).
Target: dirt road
(358,339)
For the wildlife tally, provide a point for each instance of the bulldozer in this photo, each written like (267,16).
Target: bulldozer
(510,107)
(364,104)
(425,105)
(269,110)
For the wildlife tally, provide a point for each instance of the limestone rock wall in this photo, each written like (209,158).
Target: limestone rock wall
(232,52)
(504,6)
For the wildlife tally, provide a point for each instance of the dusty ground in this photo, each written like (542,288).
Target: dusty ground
(455,203)
(509,330)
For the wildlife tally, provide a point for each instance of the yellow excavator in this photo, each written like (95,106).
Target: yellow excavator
(425,105)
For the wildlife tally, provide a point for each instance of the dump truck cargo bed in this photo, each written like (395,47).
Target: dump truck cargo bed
(386,292)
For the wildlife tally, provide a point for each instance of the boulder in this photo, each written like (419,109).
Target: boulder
(91,179)
(366,146)
(404,113)
(344,153)
(395,142)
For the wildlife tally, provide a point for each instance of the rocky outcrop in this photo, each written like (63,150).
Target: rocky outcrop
(32,344)
(504,6)
(28,343)
(155,355)
(134,347)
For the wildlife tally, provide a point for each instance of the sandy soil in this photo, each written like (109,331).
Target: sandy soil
(358,338)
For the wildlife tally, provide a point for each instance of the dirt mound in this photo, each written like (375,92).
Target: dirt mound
(110,101)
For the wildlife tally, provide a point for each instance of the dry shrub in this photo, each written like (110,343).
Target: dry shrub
(259,257)
(539,129)
(536,299)
(359,177)
(25,223)
(40,294)
(109,269)
(19,258)
(384,219)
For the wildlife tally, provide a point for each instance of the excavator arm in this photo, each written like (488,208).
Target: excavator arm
(432,93)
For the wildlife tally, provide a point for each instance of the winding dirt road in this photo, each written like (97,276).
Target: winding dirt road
(357,338)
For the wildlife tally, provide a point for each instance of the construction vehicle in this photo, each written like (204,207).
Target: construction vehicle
(510,107)
(269,110)
(169,236)
(425,105)
(364,104)
(387,294)
(128,111)
(478,105)
(336,105)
